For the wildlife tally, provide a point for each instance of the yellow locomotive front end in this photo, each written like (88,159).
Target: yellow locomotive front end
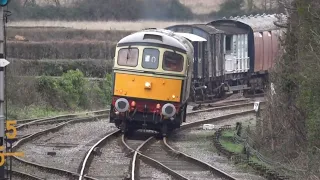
(151,81)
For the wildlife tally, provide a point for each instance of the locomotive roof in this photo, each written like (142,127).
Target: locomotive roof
(156,36)
(262,22)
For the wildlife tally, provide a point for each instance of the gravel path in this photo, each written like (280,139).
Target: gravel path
(199,144)
(70,144)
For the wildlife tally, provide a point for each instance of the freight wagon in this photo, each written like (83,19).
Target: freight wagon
(237,56)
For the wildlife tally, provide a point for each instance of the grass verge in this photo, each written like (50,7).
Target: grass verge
(33,111)
(227,142)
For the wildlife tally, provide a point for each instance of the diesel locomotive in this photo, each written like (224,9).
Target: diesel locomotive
(152,75)
(157,71)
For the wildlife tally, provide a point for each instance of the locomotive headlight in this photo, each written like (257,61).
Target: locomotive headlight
(147,85)
(173,96)
(122,105)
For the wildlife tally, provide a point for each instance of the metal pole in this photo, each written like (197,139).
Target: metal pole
(2,118)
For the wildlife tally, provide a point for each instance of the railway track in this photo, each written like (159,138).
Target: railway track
(52,172)
(176,164)
(231,97)
(40,169)
(151,150)
(38,125)
(23,176)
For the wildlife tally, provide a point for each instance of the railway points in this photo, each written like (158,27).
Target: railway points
(178,63)
(47,170)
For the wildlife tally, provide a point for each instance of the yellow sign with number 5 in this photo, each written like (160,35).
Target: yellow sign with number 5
(10,126)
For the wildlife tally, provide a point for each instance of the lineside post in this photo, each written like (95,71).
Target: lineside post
(2,118)
(3,64)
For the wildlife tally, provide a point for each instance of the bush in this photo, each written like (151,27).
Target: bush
(73,91)
(290,129)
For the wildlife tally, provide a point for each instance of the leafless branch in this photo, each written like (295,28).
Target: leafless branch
(281,25)
(315,15)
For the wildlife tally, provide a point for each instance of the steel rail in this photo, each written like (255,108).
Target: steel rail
(65,116)
(106,111)
(50,121)
(139,154)
(197,161)
(89,154)
(53,129)
(25,175)
(136,153)
(222,107)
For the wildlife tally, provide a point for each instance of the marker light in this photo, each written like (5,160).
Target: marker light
(147,85)
(173,96)
(4,2)
(133,103)
(158,106)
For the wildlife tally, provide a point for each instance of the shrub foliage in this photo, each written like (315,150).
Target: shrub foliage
(73,91)
(291,128)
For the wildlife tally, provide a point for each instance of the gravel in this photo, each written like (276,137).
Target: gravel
(15,177)
(31,129)
(199,144)
(112,163)
(148,172)
(179,165)
(32,170)
(215,113)
(70,144)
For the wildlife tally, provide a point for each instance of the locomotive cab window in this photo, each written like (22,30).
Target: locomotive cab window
(150,58)
(172,61)
(128,57)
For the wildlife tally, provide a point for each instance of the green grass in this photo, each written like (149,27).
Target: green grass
(228,133)
(230,146)
(31,112)
(226,142)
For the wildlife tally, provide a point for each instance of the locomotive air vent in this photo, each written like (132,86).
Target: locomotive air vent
(152,36)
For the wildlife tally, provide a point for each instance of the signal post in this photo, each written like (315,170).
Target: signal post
(3,64)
